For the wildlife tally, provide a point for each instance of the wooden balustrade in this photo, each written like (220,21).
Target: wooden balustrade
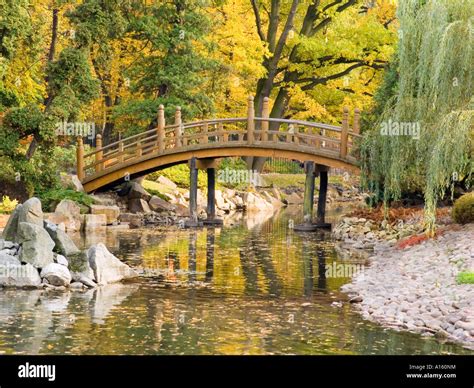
(330,140)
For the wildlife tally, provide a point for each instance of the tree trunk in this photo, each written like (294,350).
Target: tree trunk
(47,101)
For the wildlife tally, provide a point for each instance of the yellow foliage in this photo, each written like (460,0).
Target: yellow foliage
(7,205)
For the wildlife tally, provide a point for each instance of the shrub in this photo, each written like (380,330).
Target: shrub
(463,209)
(51,198)
(179,174)
(465,278)
(7,205)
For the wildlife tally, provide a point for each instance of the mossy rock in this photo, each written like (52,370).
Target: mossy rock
(463,209)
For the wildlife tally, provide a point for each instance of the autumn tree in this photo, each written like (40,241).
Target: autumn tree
(313,44)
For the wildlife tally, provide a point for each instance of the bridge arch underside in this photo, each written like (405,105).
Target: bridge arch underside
(137,167)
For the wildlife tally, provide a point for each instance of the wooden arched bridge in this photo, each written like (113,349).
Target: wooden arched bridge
(201,142)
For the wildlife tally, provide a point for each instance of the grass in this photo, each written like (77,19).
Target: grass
(156,188)
(465,277)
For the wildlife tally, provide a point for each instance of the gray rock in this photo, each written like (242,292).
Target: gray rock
(136,205)
(31,212)
(106,267)
(71,181)
(111,212)
(79,266)
(13,274)
(63,243)
(157,204)
(56,274)
(60,259)
(6,259)
(37,245)
(77,285)
(11,228)
(356,299)
(77,277)
(70,211)
(136,191)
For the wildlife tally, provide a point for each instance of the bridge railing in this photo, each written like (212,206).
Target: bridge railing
(334,141)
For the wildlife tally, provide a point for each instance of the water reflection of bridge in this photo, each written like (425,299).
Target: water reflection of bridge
(257,262)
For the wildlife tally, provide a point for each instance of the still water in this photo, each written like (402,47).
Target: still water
(251,287)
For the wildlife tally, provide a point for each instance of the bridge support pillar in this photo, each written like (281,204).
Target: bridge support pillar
(193,221)
(211,198)
(308,204)
(323,190)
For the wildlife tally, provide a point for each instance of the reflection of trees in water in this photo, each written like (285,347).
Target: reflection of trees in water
(255,255)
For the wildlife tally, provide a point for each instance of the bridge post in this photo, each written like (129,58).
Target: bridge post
(80,158)
(193,185)
(308,204)
(99,154)
(120,151)
(356,126)
(178,123)
(308,201)
(161,128)
(250,120)
(211,198)
(344,132)
(205,130)
(323,189)
(265,115)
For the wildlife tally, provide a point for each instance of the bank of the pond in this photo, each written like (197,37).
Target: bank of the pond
(416,288)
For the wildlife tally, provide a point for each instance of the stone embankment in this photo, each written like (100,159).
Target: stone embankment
(416,288)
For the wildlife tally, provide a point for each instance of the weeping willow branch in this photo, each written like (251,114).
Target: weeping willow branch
(434,93)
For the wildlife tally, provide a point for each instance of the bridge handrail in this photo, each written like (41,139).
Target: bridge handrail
(164,138)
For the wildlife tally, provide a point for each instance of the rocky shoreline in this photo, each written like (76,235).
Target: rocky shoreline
(415,288)
(37,253)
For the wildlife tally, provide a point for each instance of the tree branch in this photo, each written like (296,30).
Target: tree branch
(258,20)
(322,80)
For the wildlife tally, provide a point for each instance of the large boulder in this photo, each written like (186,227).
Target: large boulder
(56,274)
(70,212)
(136,191)
(36,245)
(95,221)
(79,266)
(71,181)
(255,203)
(111,212)
(7,259)
(158,205)
(106,267)
(31,212)
(167,182)
(13,274)
(11,229)
(137,205)
(63,243)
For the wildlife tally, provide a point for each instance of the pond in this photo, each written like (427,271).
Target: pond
(253,286)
